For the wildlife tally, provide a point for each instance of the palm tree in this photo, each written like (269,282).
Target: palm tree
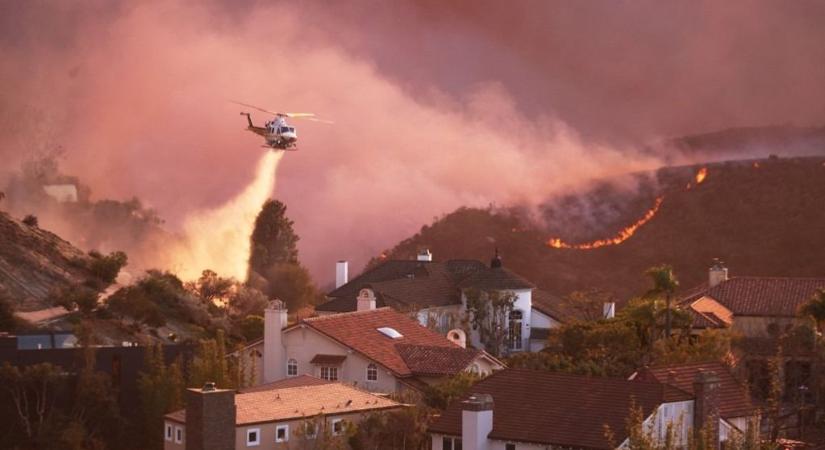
(664,284)
(815,308)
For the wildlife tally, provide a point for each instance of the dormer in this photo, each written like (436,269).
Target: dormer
(366,299)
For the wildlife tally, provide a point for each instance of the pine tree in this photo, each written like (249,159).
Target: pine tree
(273,239)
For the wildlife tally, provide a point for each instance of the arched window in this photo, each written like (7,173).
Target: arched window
(372,372)
(514,330)
(292,368)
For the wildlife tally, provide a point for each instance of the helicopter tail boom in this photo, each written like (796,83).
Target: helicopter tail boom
(248,118)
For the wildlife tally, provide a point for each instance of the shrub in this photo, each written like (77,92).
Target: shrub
(30,220)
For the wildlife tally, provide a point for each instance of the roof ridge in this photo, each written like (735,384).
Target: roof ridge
(344,314)
(757,277)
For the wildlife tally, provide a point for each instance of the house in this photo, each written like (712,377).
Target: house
(519,409)
(437,293)
(378,349)
(295,412)
(760,309)
(757,307)
(736,408)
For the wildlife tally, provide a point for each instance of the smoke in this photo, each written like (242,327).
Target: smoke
(218,238)
(434,108)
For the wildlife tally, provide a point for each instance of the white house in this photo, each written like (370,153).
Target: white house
(436,292)
(378,349)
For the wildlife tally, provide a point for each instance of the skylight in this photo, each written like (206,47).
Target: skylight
(391,333)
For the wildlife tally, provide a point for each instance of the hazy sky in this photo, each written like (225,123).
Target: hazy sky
(437,104)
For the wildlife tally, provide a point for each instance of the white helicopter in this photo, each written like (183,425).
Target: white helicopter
(278,133)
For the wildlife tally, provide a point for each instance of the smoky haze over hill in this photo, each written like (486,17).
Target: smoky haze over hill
(436,106)
(761,217)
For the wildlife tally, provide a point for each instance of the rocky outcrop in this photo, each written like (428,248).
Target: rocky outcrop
(34,261)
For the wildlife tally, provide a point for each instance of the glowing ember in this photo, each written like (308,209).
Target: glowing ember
(701,175)
(756,165)
(618,239)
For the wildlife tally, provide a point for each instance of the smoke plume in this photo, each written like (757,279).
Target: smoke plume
(436,106)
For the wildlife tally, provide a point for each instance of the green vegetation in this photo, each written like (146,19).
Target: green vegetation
(161,389)
(75,298)
(30,220)
(106,268)
(487,314)
(273,263)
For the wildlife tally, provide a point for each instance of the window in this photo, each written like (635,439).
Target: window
(168,435)
(514,330)
(178,435)
(282,433)
(291,368)
(329,373)
(451,443)
(372,372)
(391,333)
(509,446)
(310,430)
(475,369)
(253,437)
(337,426)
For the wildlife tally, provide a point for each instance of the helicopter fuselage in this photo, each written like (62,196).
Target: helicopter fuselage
(277,133)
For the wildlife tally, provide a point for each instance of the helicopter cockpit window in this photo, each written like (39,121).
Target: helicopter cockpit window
(284,129)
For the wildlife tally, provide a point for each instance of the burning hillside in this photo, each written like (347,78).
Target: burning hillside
(762,217)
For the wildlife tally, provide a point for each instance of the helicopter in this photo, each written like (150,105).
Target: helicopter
(279,135)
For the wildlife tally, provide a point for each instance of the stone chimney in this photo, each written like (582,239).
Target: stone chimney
(476,421)
(425,255)
(210,418)
(717,273)
(275,320)
(341,273)
(609,310)
(706,406)
(366,300)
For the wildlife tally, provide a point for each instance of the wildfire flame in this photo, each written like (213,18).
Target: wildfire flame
(218,239)
(701,175)
(623,235)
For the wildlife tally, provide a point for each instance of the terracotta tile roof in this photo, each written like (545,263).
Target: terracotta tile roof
(762,296)
(498,278)
(359,331)
(302,380)
(331,360)
(733,397)
(559,409)
(428,360)
(275,405)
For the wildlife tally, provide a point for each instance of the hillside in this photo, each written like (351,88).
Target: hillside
(34,261)
(762,217)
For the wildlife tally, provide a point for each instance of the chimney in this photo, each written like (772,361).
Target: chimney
(496,262)
(609,310)
(706,407)
(210,418)
(341,273)
(275,320)
(366,300)
(717,273)
(476,421)
(425,255)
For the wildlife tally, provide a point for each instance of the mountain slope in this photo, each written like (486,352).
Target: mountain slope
(34,261)
(762,217)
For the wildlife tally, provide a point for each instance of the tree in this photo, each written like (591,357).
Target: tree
(252,327)
(31,393)
(7,320)
(404,428)
(664,284)
(441,394)
(815,309)
(160,388)
(106,268)
(73,298)
(210,363)
(487,313)
(30,220)
(290,282)
(211,288)
(273,240)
